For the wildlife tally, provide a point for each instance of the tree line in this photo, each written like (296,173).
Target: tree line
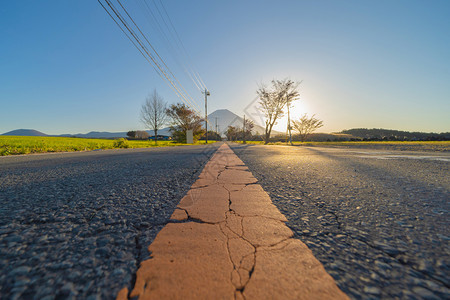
(235,133)
(276,100)
(155,114)
(378,134)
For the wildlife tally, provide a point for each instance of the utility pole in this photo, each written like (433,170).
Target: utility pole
(289,117)
(289,125)
(243,131)
(217,131)
(206,113)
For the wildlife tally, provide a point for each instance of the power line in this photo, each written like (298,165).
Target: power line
(168,70)
(128,36)
(179,42)
(154,50)
(170,47)
(163,72)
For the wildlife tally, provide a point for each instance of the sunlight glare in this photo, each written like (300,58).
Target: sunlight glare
(299,108)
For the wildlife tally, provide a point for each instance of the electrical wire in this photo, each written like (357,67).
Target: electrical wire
(128,37)
(176,37)
(191,101)
(169,45)
(135,39)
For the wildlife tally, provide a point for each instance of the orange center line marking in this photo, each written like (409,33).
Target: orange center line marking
(228,241)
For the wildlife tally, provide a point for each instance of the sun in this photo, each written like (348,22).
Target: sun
(298,109)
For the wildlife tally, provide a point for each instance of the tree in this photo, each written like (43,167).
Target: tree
(212,136)
(141,134)
(291,95)
(305,126)
(247,129)
(153,113)
(231,133)
(274,100)
(131,134)
(184,119)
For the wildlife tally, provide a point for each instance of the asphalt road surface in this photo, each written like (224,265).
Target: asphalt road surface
(77,225)
(377,220)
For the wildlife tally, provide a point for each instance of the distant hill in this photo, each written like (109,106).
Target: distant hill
(227,118)
(112,135)
(389,134)
(224,118)
(163,131)
(90,135)
(25,132)
(98,135)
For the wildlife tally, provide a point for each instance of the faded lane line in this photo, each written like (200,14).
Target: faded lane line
(421,157)
(228,241)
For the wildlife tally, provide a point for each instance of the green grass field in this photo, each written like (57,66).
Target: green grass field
(13,145)
(394,145)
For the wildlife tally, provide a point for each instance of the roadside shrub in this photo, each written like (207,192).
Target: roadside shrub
(121,143)
(4,150)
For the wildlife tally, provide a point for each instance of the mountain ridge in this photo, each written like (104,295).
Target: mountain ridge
(224,118)
(381,133)
(25,132)
(227,118)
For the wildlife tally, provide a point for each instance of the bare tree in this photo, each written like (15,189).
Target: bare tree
(153,113)
(305,126)
(274,100)
(184,119)
(247,129)
(141,134)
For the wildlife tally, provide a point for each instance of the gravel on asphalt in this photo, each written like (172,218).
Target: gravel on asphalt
(77,225)
(379,226)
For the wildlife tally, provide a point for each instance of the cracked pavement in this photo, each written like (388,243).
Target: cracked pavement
(377,220)
(227,240)
(77,225)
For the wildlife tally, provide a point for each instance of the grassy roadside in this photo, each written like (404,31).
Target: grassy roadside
(393,145)
(13,145)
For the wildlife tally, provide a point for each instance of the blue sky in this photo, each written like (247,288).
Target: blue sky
(65,67)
